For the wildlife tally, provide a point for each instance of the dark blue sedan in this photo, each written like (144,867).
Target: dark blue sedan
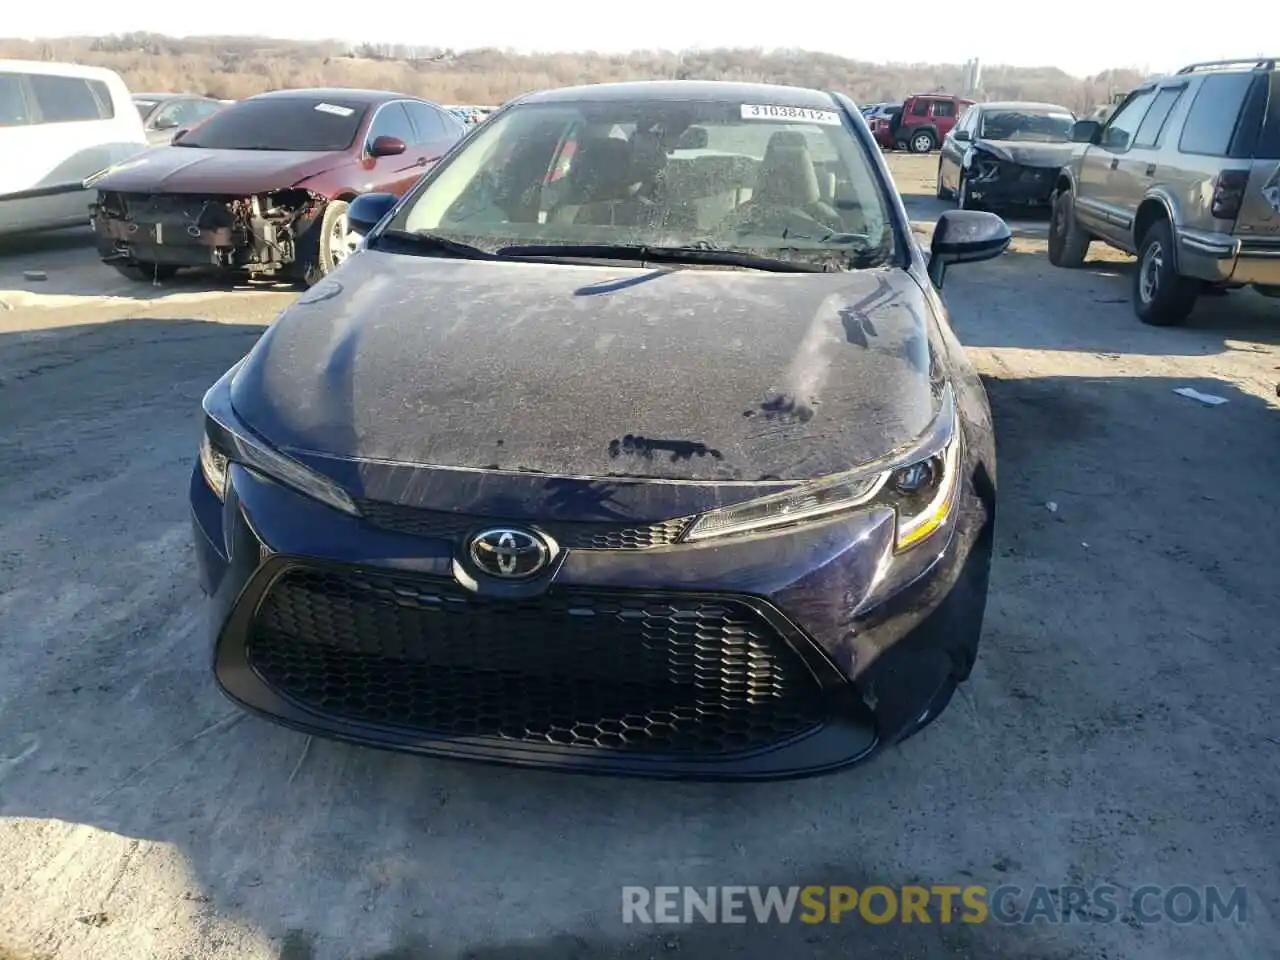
(634,439)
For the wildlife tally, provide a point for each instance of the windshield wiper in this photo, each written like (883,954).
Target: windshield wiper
(436,243)
(700,252)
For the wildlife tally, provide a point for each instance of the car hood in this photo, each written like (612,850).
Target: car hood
(177,169)
(595,371)
(1028,154)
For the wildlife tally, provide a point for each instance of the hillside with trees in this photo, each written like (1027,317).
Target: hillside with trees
(235,67)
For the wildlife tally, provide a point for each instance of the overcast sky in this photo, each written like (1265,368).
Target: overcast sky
(1081,36)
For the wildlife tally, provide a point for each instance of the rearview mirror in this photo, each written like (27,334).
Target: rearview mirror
(385,146)
(367,210)
(1085,131)
(965,236)
(961,136)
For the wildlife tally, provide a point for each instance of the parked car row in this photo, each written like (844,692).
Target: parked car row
(1184,173)
(919,123)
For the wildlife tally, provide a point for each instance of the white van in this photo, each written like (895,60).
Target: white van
(59,123)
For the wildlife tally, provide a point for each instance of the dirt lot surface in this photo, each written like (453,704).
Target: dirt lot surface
(1120,727)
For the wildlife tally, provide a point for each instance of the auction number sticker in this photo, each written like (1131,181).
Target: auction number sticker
(334,109)
(756,111)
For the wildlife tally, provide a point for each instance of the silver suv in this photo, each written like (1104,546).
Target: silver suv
(1186,175)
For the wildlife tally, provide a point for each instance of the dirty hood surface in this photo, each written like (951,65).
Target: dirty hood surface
(594,371)
(196,170)
(1029,154)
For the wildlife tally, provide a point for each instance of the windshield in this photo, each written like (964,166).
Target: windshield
(280,123)
(1028,125)
(782,182)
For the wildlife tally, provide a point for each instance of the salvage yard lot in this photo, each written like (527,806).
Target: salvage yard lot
(1119,727)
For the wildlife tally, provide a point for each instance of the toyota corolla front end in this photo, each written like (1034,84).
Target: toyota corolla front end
(726,516)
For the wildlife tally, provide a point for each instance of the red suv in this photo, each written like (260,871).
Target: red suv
(925,120)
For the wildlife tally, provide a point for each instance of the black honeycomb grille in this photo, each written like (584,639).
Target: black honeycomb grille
(571,535)
(664,675)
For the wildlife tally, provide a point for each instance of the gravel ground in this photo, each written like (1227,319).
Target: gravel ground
(1116,729)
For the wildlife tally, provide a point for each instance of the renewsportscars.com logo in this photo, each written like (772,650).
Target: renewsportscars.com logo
(941,903)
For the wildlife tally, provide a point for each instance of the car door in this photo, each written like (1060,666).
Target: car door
(437,130)
(393,174)
(1099,200)
(944,116)
(1139,169)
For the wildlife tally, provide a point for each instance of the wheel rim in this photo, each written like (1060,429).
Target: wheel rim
(342,242)
(963,193)
(1149,272)
(923,143)
(1059,220)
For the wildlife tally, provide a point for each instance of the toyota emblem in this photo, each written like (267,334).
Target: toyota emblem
(508,553)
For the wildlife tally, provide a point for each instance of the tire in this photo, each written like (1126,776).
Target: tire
(140,271)
(943,192)
(320,253)
(922,141)
(1068,243)
(963,200)
(1161,297)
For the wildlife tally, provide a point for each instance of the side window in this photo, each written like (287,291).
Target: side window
(202,110)
(106,107)
(920,108)
(944,108)
(392,121)
(426,120)
(13,103)
(1125,122)
(1214,113)
(65,99)
(1153,125)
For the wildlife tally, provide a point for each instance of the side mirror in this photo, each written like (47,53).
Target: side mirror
(367,210)
(385,146)
(1085,131)
(165,123)
(961,136)
(965,236)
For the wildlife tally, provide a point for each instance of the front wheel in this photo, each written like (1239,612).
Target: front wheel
(1161,297)
(943,192)
(1068,243)
(921,142)
(331,242)
(964,199)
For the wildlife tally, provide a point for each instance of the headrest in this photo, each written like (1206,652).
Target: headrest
(787,176)
(601,170)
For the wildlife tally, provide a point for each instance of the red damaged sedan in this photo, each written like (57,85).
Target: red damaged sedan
(262,187)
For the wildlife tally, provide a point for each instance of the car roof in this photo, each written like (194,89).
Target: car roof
(341,94)
(57,69)
(1026,105)
(728,91)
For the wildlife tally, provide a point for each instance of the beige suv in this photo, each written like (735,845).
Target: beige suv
(1186,175)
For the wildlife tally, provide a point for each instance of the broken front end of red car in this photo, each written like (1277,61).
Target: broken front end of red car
(270,234)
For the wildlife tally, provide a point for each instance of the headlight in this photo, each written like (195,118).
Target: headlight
(226,446)
(920,487)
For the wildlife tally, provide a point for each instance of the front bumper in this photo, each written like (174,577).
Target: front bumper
(736,660)
(1012,184)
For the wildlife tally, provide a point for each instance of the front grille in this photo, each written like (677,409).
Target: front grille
(591,535)
(661,674)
